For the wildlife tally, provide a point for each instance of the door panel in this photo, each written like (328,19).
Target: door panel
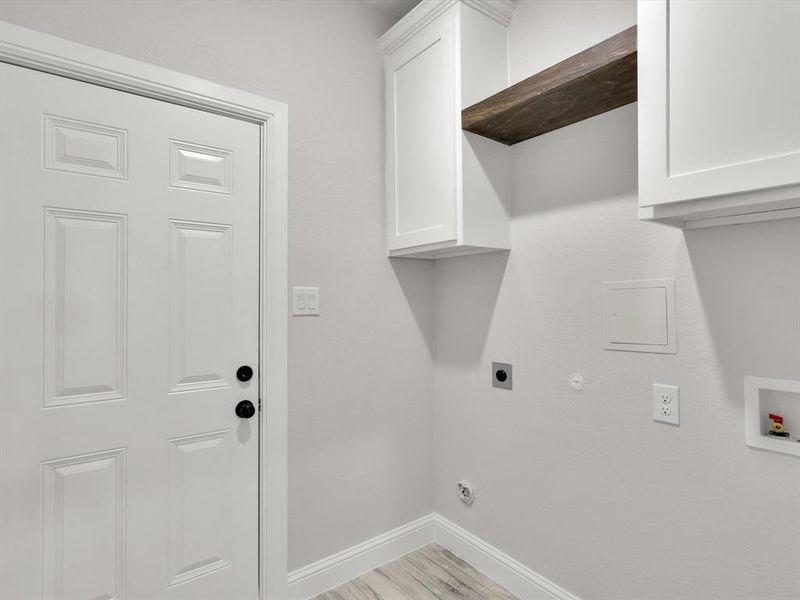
(719,106)
(86,148)
(85,320)
(196,167)
(84,526)
(424,133)
(129,274)
(716,121)
(201,313)
(200,505)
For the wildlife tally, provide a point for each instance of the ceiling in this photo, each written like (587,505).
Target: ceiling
(396,8)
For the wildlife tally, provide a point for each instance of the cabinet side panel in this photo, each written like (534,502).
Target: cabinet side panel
(485,164)
(651,49)
(484,56)
(487,191)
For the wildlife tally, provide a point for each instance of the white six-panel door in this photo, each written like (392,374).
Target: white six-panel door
(129,274)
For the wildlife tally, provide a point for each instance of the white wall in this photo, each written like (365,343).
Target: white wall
(583,487)
(360,375)
(579,486)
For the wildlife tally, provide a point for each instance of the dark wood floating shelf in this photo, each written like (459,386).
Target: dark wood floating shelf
(589,83)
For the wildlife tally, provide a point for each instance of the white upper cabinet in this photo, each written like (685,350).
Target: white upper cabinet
(447,191)
(719,111)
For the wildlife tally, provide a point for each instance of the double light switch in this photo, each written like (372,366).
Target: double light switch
(305,301)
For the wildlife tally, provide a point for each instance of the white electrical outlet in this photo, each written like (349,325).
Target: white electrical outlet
(667,404)
(466,493)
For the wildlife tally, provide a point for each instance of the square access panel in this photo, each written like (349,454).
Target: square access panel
(639,316)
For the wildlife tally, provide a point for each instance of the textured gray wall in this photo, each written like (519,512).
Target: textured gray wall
(578,486)
(585,488)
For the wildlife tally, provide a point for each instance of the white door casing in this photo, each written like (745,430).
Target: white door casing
(108,472)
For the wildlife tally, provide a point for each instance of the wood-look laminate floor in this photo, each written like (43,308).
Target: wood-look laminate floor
(430,573)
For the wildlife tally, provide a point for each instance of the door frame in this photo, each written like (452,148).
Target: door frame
(42,52)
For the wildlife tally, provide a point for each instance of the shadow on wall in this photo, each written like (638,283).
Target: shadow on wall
(415,279)
(748,279)
(587,173)
(486,165)
(466,317)
(556,166)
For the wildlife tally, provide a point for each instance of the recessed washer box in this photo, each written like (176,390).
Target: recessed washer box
(763,396)
(639,316)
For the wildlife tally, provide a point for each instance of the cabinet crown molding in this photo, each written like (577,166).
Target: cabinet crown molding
(501,11)
(427,11)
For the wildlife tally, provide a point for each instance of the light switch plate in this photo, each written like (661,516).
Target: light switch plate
(639,316)
(305,301)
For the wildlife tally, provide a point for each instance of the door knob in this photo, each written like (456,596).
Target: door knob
(245,409)
(244,373)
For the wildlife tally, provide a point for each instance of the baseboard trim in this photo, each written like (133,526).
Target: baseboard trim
(327,573)
(496,564)
(334,570)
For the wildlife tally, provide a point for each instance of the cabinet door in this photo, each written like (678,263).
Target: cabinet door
(422,123)
(719,98)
